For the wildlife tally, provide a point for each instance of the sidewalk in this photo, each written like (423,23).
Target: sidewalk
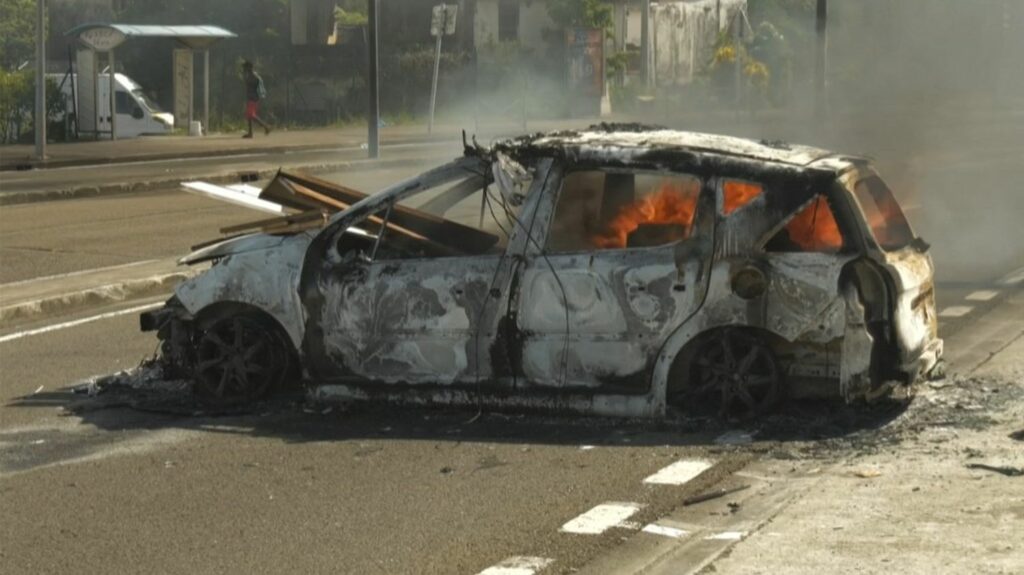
(20,157)
(914,497)
(51,296)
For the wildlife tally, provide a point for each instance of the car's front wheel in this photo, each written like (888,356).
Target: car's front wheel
(238,360)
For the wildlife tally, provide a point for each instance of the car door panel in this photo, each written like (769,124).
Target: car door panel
(621,307)
(407,321)
(596,320)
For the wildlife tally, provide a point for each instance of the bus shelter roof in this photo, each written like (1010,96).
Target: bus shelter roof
(201,36)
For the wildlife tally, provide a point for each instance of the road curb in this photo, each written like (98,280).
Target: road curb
(94,296)
(16,198)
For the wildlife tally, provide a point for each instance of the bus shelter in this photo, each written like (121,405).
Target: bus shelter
(95,40)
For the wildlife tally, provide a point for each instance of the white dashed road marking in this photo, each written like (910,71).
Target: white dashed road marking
(77,322)
(726,536)
(518,566)
(601,518)
(679,472)
(982,295)
(664,531)
(1013,278)
(956,311)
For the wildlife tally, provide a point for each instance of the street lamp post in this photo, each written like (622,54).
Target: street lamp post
(40,120)
(821,60)
(645,43)
(373,113)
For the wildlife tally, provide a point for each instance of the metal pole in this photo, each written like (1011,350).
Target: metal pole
(433,86)
(645,42)
(821,60)
(373,114)
(113,89)
(40,121)
(737,35)
(191,88)
(206,91)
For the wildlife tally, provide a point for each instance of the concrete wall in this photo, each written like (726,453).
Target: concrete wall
(683,35)
(533,22)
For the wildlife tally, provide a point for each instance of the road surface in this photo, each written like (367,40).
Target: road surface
(94,486)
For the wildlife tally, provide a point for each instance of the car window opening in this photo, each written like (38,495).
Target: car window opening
(612,210)
(813,229)
(884,216)
(738,193)
(466,219)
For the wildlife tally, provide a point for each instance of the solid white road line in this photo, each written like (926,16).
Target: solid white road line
(601,518)
(1012,278)
(726,536)
(679,472)
(77,322)
(956,311)
(982,295)
(665,531)
(518,566)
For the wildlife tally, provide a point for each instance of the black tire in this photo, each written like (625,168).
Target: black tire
(737,371)
(239,359)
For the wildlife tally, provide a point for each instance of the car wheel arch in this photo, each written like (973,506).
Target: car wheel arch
(220,310)
(679,349)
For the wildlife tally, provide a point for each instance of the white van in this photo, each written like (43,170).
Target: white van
(136,113)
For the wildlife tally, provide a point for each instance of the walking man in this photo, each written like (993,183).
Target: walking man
(254,92)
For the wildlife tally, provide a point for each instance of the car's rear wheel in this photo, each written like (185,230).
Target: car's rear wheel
(238,360)
(737,371)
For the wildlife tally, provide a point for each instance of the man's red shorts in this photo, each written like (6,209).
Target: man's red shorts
(252,109)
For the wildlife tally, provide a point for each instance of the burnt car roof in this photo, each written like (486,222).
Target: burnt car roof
(602,138)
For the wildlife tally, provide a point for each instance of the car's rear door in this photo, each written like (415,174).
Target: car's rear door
(617,269)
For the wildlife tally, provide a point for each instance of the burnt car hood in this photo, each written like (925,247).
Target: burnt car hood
(232,246)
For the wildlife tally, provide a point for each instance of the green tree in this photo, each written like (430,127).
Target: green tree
(350,13)
(583,13)
(17,32)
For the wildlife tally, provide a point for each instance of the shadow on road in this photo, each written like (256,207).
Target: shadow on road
(291,417)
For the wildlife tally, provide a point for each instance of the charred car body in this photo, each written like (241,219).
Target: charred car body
(619,270)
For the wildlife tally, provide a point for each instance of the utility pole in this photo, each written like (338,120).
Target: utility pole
(645,42)
(373,114)
(40,120)
(821,60)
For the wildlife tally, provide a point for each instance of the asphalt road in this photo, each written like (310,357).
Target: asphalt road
(358,491)
(286,488)
(353,490)
(143,172)
(49,238)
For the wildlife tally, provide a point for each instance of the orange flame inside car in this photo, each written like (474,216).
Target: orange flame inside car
(815,229)
(738,194)
(673,203)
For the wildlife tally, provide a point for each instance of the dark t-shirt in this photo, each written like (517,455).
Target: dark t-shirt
(252,87)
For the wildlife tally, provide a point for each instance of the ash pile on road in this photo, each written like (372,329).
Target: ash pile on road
(814,430)
(145,388)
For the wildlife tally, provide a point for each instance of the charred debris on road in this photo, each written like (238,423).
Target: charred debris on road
(620,270)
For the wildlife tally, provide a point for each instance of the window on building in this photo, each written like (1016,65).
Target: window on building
(508,20)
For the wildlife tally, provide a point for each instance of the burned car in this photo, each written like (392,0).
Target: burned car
(618,270)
